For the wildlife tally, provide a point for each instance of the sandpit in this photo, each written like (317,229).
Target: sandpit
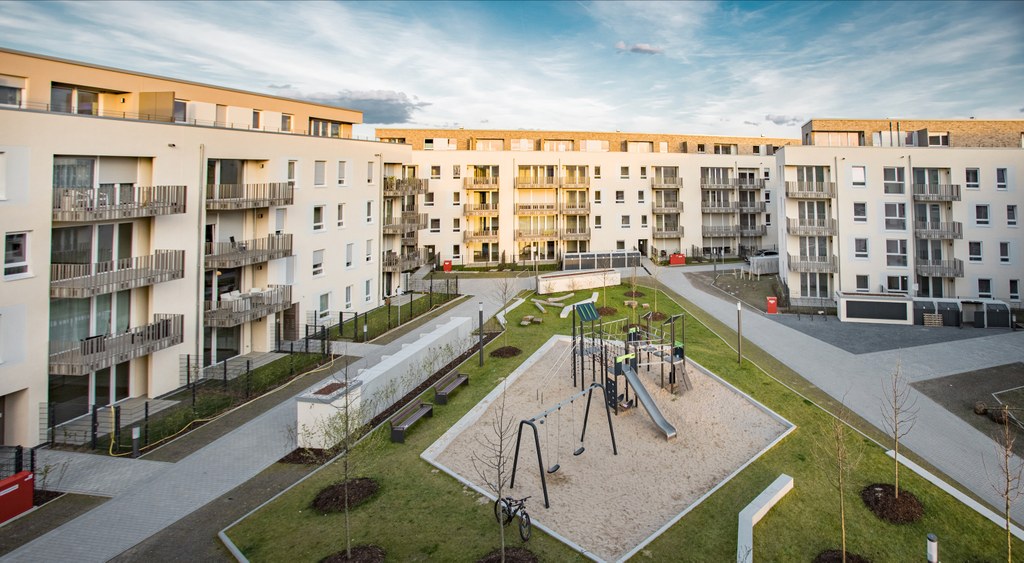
(607,505)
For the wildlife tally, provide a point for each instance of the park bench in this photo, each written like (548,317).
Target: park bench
(446,385)
(406,417)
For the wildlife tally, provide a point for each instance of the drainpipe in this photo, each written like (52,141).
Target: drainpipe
(839,265)
(200,251)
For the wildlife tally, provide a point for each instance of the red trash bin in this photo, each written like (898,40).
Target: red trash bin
(15,495)
(447,265)
(677,259)
(773,305)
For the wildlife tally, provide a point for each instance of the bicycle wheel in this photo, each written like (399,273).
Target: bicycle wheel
(501,513)
(524,526)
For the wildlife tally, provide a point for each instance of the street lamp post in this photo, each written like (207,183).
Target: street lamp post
(739,333)
(481,332)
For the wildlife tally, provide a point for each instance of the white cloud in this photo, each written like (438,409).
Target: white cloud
(640,48)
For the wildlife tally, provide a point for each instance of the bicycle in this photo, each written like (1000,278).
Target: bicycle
(507,508)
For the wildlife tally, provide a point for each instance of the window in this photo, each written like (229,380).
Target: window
(597,172)
(860,212)
(319,172)
(318,263)
(768,219)
(350,251)
(859,176)
(1011,215)
(981,215)
(318,218)
(1004,252)
(896,216)
(286,122)
(456,171)
(369,211)
(367,291)
(428,199)
(180,107)
(435,225)
(971,181)
(369,250)
(16,255)
(814,285)
(862,283)
(639,196)
(1000,178)
(860,248)
(757,149)
(256,115)
(700,147)
(342,172)
(597,196)
(597,221)
(767,196)
(291,173)
(896,252)
(643,221)
(974,251)
(369,172)
(324,128)
(938,140)
(624,172)
(767,173)
(625,221)
(984,288)
(490,144)
(456,251)
(895,179)
(896,283)
(620,196)
(341,214)
(620,245)
(348,296)
(435,172)
(456,225)
(456,198)
(325,305)
(643,172)
(1015,290)
(725,149)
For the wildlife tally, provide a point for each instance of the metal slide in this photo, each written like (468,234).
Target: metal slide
(648,402)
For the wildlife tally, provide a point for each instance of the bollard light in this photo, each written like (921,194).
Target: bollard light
(739,333)
(933,549)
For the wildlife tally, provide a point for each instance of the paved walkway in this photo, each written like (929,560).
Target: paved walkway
(939,436)
(154,495)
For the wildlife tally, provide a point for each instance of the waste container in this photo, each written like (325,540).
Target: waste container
(677,259)
(447,265)
(773,305)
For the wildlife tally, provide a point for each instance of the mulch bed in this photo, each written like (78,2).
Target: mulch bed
(836,556)
(658,316)
(360,554)
(332,498)
(605,311)
(505,352)
(634,294)
(881,499)
(512,555)
(329,388)
(41,497)
(308,456)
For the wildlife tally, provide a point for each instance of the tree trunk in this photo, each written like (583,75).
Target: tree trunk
(896,458)
(842,514)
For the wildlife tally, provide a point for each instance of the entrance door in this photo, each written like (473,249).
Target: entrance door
(641,245)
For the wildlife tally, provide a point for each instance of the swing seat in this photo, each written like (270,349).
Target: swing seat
(579,450)
(554,468)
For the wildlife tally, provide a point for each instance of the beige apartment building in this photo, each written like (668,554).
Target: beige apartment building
(146,220)
(534,196)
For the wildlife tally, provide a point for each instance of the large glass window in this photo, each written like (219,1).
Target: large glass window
(15,254)
(896,252)
(896,216)
(895,180)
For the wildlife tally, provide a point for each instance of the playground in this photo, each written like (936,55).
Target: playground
(677,436)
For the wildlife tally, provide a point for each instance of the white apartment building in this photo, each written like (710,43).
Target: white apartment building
(145,219)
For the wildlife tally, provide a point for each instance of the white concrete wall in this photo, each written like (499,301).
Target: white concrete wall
(562,282)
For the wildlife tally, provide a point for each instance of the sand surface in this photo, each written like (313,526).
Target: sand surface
(608,504)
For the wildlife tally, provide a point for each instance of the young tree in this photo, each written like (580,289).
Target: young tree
(504,290)
(899,413)
(492,457)
(1011,479)
(839,457)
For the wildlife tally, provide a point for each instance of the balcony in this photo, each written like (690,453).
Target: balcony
(668,206)
(536,234)
(813,264)
(939,231)
(811,227)
(410,221)
(753,230)
(668,231)
(713,184)
(810,190)
(227,197)
(482,235)
(236,254)
(471,209)
(575,233)
(720,230)
(546,182)
(398,187)
(394,262)
(576,182)
(79,281)
(940,268)
(482,183)
(235,308)
(749,184)
(666,183)
(718,207)
(482,258)
(536,209)
(98,352)
(751,206)
(120,201)
(575,208)
(936,192)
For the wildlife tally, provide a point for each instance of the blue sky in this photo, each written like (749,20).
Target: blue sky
(733,68)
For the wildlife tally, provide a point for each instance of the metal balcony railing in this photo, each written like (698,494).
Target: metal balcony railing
(226,197)
(483,235)
(394,262)
(668,231)
(543,182)
(811,227)
(488,183)
(536,234)
(811,190)
(575,182)
(718,207)
(751,206)
(668,206)
(814,264)
(666,183)
(939,231)
(397,187)
(936,192)
(575,208)
(536,208)
(408,222)
(480,208)
(940,268)
(720,230)
(575,233)
(235,254)
(98,352)
(116,201)
(753,230)
(79,281)
(235,308)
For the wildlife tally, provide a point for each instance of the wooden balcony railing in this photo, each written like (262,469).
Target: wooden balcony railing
(811,227)
(397,187)
(117,201)
(226,197)
(813,264)
(235,254)
(936,192)
(939,231)
(236,308)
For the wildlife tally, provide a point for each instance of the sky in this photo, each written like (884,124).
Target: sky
(727,68)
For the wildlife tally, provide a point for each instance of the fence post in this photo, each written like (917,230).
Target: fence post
(95,424)
(225,375)
(291,357)
(188,370)
(32,463)
(117,428)
(145,426)
(53,421)
(248,377)
(18,463)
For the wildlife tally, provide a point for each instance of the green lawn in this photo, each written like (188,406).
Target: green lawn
(421,513)
(382,319)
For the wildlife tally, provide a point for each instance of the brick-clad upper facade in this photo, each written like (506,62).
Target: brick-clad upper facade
(1003,133)
(510,139)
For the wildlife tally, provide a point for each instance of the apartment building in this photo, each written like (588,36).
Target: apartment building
(885,214)
(146,219)
(533,196)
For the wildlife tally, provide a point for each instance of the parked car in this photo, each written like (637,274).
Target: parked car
(759,253)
